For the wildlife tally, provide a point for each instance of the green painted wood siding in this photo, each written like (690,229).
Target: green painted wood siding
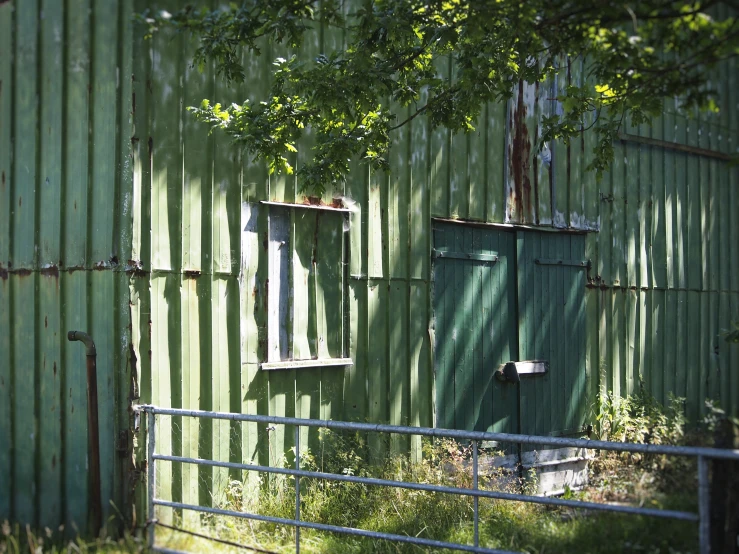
(65,220)
(102,168)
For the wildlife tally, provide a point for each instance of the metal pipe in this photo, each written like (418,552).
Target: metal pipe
(334,528)
(476,499)
(93,428)
(704,507)
(546,500)
(150,455)
(297,488)
(712,453)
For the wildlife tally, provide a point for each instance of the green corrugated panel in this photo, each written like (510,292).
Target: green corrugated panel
(50,136)
(23,401)
(6,127)
(25,135)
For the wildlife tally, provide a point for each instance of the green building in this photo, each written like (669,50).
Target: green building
(208,284)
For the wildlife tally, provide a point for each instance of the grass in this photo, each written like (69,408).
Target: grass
(652,481)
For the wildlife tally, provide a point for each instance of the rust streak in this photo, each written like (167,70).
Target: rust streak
(54,369)
(46,322)
(519,156)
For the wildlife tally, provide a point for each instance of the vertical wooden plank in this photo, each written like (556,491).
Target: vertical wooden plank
(377,370)
(25,133)
(619,210)
(77,121)
(50,133)
(6,393)
(522,125)
(399,385)
(279,281)
(74,402)
(592,349)
(328,258)
(658,259)
(591,185)
(355,384)
(190,392)
(25,405)
(644,325)
(7,26)
(481,273)
(671,200)
(577,161)
(495,163)
(419,182)
(421,368)
(631,209)
(226,192)
(605,237)
(618,335)
(544,175)
(694,186)
(303,333)
(645,209)
(477,171)
(658,343)
(398,203)
(670,356)
(102,321)
(582,398)
(329,283)
(442,347)
(459,174)
(50,336)
(197,163)
(694,369)
(560,157)
(376,240)
(106,77)
(714,371)
(505,334)
(439,156)
(161,377)
(164,147)
(681,337)
(632,341)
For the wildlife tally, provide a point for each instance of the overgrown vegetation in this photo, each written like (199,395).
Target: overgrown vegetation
(390,61)
(653,481)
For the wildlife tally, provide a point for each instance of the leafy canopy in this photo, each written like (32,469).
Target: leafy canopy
(395,54)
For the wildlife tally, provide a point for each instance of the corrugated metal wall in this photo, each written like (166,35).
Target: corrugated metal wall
(65,220)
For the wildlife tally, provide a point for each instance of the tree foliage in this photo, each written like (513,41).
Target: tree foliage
(635,54)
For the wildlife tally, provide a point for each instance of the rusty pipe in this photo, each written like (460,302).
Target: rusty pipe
(93,429)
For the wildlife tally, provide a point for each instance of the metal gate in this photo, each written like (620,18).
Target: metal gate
(157,453)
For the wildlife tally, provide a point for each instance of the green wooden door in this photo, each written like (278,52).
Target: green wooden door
(503,296)
(550,279)
(475,326)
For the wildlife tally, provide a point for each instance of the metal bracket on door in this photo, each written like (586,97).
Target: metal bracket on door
(556,261)
(492,257)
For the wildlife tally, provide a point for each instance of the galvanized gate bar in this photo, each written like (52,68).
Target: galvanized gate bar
(334,528)
(693,451)
(704,507)
(549,501)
